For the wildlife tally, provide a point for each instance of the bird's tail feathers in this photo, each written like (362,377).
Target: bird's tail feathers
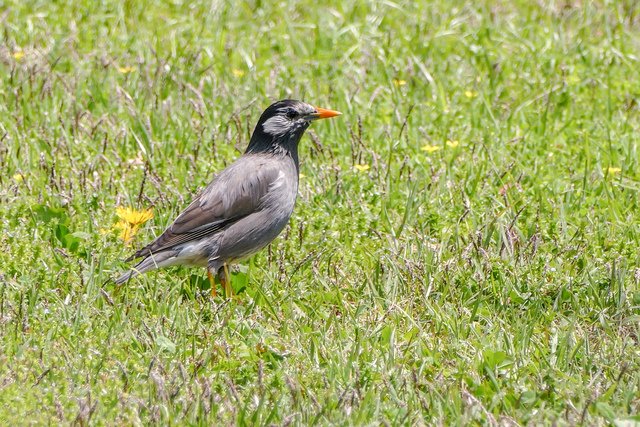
(126,276)
(151,262)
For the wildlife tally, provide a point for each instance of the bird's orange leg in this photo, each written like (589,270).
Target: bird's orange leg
(225,279)
(228,276)
(212,280)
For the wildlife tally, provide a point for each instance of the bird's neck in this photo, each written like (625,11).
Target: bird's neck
(287,146)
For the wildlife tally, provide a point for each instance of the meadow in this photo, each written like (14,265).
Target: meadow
(464,250)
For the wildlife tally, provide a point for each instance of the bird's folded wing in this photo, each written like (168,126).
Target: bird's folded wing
(231,196)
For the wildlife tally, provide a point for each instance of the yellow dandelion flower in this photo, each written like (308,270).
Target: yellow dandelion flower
(125,70)
(121,225)
(238,73)
(127,231)
(105,231)
(470,94)
(302,175)
(18,177)
(134,217)
(363,167)
(430,148)
(399,82)
(17,55)
(452,144)
(613,170)
(128,234)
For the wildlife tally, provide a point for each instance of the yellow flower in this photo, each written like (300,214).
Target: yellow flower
(430,148)
(302,175)
(17,55)
(399,82)
(129,224)
(125,70)
(238,73)
(362,168)
(128,231)
(18,177)
(452,144)
(134,217)
(613,170)
(470,94)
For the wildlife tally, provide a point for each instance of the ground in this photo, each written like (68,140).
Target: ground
(464,249)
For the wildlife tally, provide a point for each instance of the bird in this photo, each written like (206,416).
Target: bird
(244,208)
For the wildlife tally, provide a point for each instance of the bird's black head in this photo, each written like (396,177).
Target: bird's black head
(282,125)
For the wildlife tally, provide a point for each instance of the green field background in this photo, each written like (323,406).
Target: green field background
(464,250)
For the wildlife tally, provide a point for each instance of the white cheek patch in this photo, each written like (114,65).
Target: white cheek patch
(276,126)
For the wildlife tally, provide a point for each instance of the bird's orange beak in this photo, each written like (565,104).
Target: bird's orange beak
(322,114)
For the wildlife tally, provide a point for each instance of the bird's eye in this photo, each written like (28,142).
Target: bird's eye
(291,114)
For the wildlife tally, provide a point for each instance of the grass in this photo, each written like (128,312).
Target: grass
(490,281)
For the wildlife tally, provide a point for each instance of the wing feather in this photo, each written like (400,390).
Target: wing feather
(237,192)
